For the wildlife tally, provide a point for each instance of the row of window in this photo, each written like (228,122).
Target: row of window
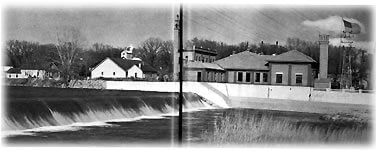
(257,77)
(203,59)
(126,74)
(217,77)
(279,78)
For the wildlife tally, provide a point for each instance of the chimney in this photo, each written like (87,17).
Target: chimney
(323,56)
(139,65)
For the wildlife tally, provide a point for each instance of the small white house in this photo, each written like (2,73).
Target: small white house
(20,73)
(33,73)
(122,68)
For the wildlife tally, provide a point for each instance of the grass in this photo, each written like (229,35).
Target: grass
(241,128)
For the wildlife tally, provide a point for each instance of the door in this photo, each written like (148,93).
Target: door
(199,77)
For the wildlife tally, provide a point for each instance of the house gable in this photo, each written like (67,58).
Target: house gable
(108,69)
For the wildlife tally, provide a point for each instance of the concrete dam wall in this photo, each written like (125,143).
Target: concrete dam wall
(219,93)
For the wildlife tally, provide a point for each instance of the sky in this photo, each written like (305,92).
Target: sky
(131,25)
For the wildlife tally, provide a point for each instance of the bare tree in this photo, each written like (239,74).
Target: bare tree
(149,49)
(165,57)
(69,44)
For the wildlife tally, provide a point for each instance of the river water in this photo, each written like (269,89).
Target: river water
(135,119)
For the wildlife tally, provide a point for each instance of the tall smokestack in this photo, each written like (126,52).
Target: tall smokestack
(323,56)
(277,47)
(176,50)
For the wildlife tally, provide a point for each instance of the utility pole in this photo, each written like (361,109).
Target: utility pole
(178,70)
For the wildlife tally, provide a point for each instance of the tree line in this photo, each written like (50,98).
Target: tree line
(75,61)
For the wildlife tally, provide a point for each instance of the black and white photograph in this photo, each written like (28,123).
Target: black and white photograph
(188,74)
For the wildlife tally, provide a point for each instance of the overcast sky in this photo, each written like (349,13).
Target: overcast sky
(128,25)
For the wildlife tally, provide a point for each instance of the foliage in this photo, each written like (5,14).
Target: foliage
(243,128)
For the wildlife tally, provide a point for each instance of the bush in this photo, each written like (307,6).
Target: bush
(240,128)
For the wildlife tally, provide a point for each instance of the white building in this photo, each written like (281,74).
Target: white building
(20,73)
(122,68)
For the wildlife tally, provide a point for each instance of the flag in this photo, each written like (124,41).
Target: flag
(352,28)
(356,29)
(347,24)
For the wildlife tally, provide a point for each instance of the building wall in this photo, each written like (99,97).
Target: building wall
(300,69)
(279,68)
(261,80)
(14,76)
(33,73)
(191,75)
(289,74)
(135,72)
(189,55)
(230,76)
(204,57)
(206,75)
(106,69)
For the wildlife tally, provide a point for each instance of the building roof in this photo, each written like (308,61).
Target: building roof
(127,64)
(292,56)
(245,60)
(14,70)
(201,65)
(30,67)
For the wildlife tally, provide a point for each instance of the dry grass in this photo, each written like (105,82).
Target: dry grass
(240,128)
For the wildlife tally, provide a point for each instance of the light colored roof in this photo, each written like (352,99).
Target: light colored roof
(292,56)
(245,60)
(202,65)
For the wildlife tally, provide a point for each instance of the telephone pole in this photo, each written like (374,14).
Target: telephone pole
(178,66)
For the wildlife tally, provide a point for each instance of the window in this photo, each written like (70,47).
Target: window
(101,73)
(16,76)
(135,75)
(247,76)
(257,77)
(114,73)
(279,77)
(299,78)
(186,57)
(239,77)
(265,77)
(37,73)
(215,77)
(10,76)
(126,74)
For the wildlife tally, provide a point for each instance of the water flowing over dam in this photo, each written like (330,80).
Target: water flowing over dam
(35,108)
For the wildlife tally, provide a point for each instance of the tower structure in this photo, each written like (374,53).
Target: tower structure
(176,50)
(323,81)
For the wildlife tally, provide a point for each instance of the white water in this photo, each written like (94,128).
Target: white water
(93,118)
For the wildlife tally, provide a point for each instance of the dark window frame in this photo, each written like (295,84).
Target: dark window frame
(299,78)
(265,77)
(248,77)
(239,76)
(279,78)
(257,77)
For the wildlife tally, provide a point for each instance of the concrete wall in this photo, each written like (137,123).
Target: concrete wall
(343,97)
(219,93)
